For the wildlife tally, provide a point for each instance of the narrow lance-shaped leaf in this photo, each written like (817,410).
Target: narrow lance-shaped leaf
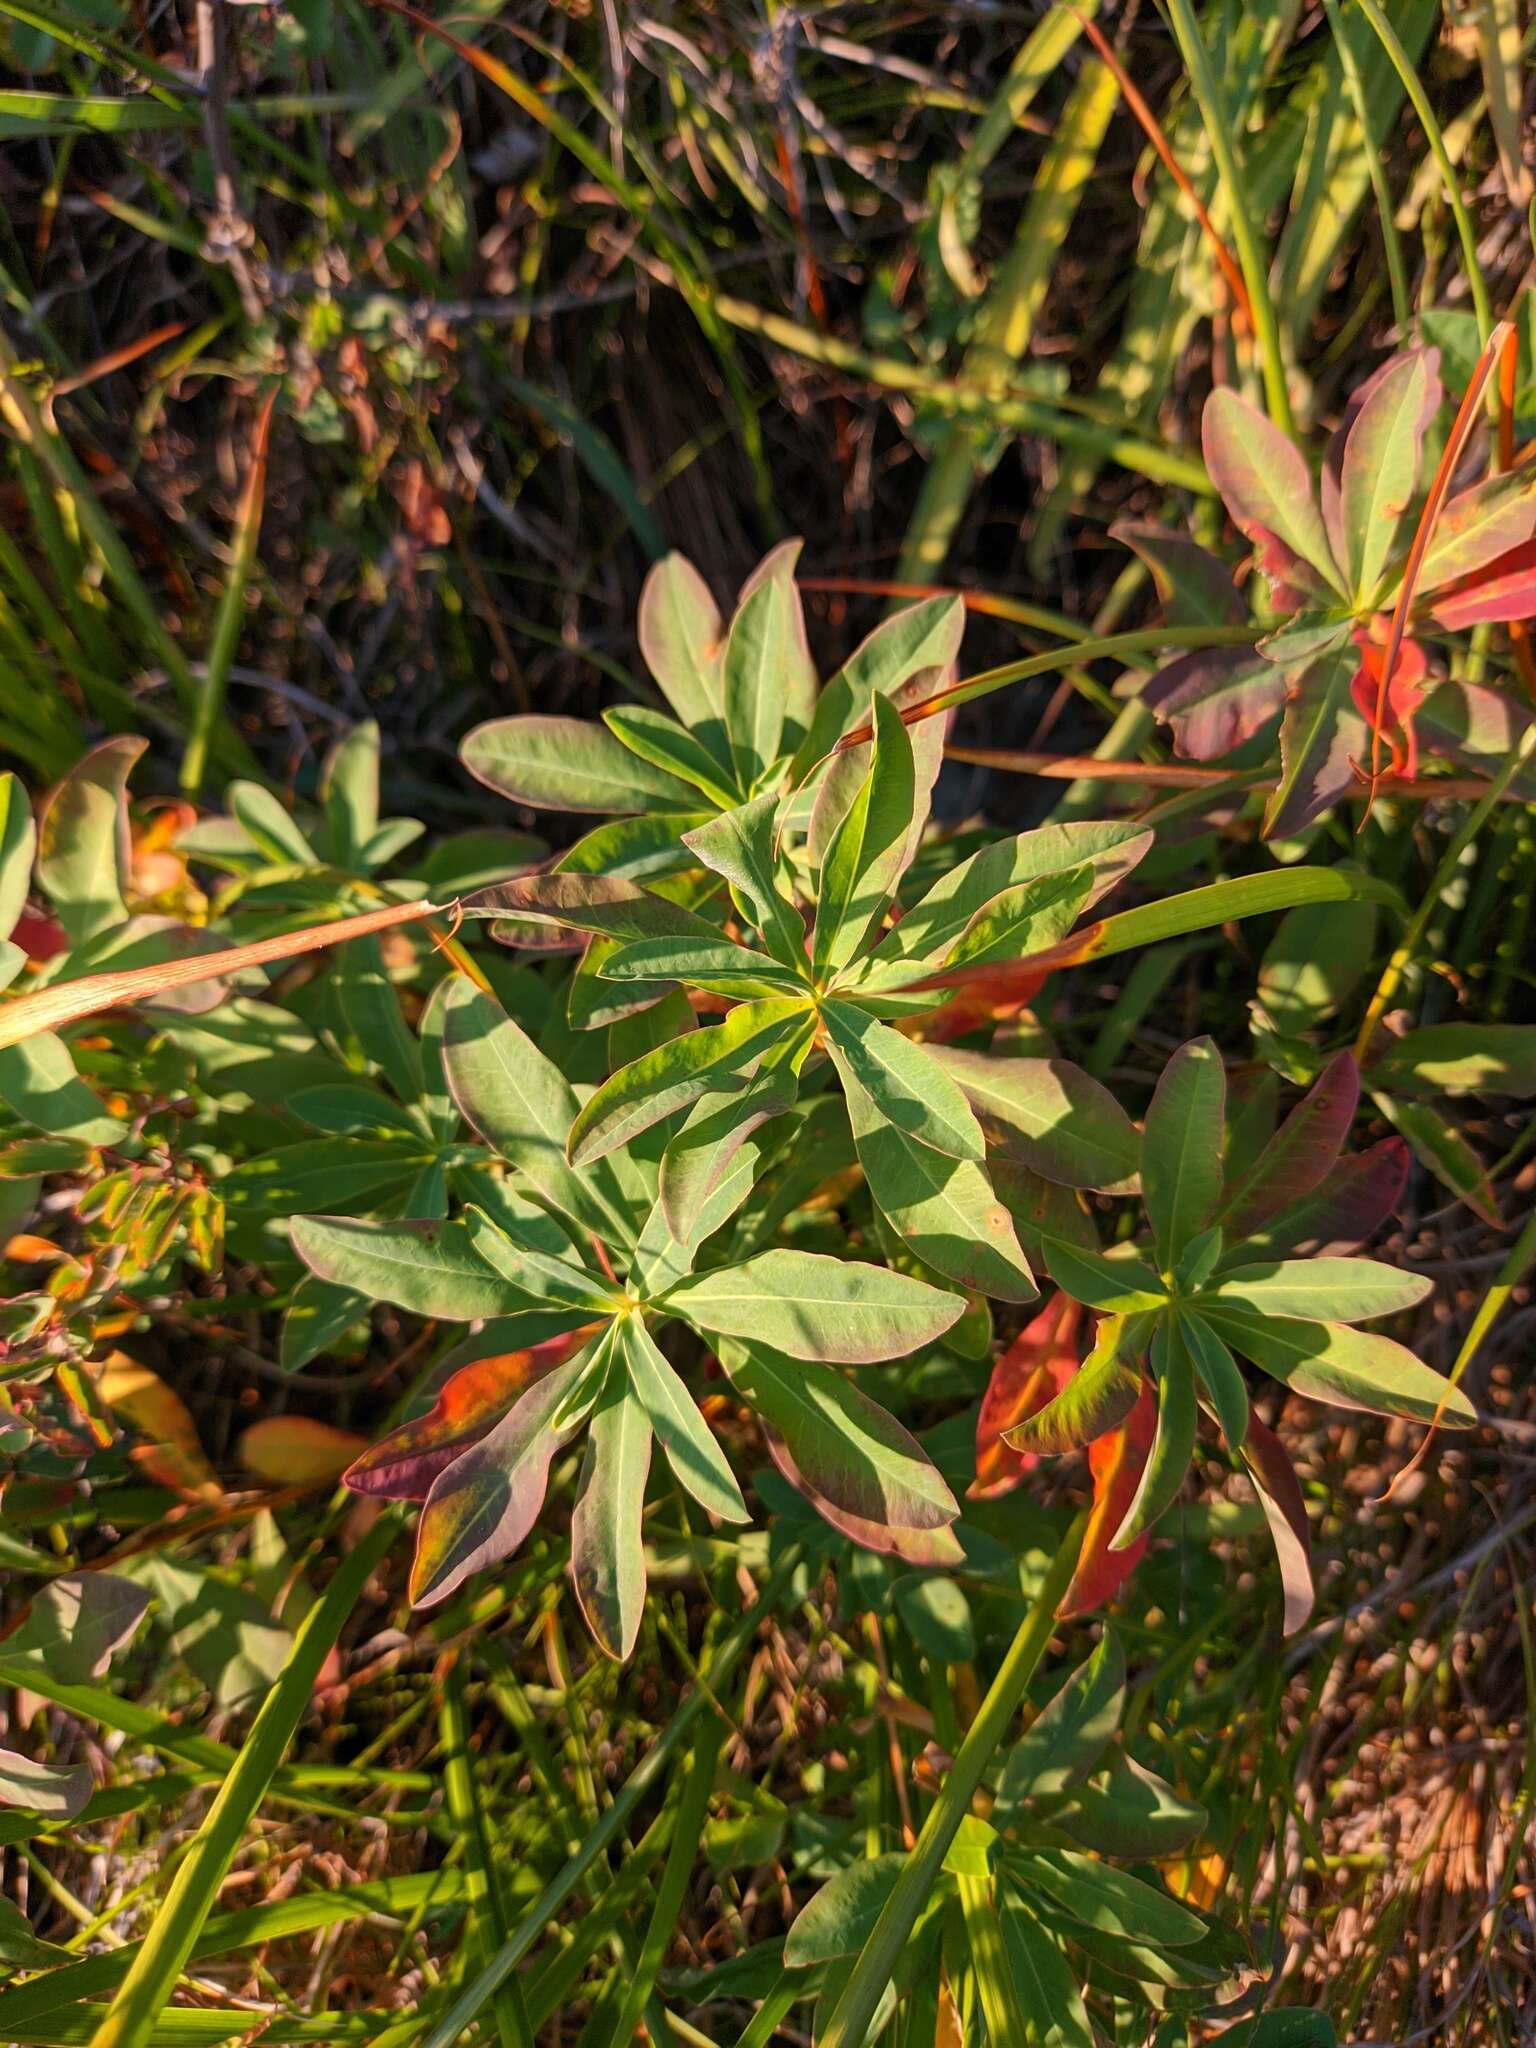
(867,852)
(811,1306)
(1337,1290)
(484,1504)
(566,764)
(664,744)
(1097,1399)
(906,1084)
(1181,1147)
(686,1438)
(1173,1445)
(1301,1153)
(1264,481)
(1222,1378)
(719,1059)
(1071,1732)
(1116,1462)
(1280,1497)
(680,636)
(82,843)
(1348,1368)
(739,845)
(429,1268)
(607,1550)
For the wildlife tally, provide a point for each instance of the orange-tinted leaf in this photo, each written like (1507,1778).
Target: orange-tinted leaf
(173,1456)
(403,1465)
(1398,700)
(1033,1370)
(295,1450)
(1116,1462)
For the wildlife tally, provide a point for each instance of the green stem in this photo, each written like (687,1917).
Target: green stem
(151,1983)
(1418,99)
(1403,953)
(1197,62)
(878,1958)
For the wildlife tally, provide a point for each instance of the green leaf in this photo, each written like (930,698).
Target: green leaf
(74,1626)
(740,846)
(1379,473)
(1173,1445)
(922,636)
(1130,1814)
(1265,483)
(864,1473)
(719,1059)
(664,744)
(642,849)
(692,1452)
(680,636)
(268,822)
(39,1084)
(938,919)
(1459,1059)
(523,1107)
(18,845)
(811,1306)
(1221,1376)
(349,789)
(1476,526)
(1120,1286)
(607,1547)
(51,1791)
(82,841)
(1181,1147)
(1049,1115)
(567,764)
(1110,1900)
(1024,919)
(716,965)
(1347,1368)
(842,1916)
(760,651)
(1334,1290)
(699,1169)
(1054,2013)
(903,1081)
(1095,1400)
(1445,1149)
(534,1270)
(945,1208)
(351,1109)
(867,852)
(371,1011)
(432,1269)
(1069,1735)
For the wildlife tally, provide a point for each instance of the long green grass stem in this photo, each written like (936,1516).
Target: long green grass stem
(877,1959)
(1245,234)
(1391,240)
(1418,99)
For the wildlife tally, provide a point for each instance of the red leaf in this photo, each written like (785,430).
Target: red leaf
(1503,589)
(1032,1371)
(1116,1462)
(1403,696)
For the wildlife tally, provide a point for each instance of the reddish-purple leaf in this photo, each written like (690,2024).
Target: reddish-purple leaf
(403,1465)
(936,1546)
(1342,1211)
(1321,736)
(1263,479)
(482,1506)
(1301,1154)
(1477,728)
(1033,1370)
(1215,698)
(1280,1497)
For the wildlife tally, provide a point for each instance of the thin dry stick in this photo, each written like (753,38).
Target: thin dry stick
(230,234)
